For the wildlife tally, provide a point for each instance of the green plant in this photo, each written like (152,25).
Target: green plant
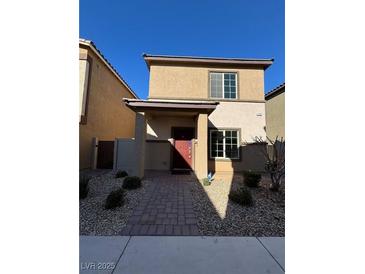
(242,197)
(121,174)
(115,199)
(206,182)
(83,186)
(274,153)
(251,179)
(132,182)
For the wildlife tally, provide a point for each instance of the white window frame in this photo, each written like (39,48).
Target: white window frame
(224,143)
(222,75)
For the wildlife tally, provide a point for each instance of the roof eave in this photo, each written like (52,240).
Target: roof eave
(92,46)
(264,63)
(276,91)
(144,105)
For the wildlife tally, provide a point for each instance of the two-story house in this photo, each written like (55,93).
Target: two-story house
(201,115)
(101,118)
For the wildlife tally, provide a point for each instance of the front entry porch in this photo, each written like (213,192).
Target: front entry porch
(171,135)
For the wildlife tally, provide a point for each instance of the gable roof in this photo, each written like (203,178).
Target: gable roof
(198,60)
(276,91)
(92,46)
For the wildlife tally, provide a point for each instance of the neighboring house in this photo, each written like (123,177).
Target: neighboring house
(275,113)
(201,115)
(103,117)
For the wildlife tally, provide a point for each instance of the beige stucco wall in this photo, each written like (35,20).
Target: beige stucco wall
(251,159)
(107,118)
(158,156)
(249,119)
(275,116)
(201,147)
(159,127)
(184,82)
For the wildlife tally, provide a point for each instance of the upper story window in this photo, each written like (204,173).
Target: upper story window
(223,85)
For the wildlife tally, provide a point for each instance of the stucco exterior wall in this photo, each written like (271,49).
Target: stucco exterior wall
(158,155)
(107,117)
(251,159)
(184,82)
(275,116)
(125,158)
(249,119)
(159,127)
(201,148)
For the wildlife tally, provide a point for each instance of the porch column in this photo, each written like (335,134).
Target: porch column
(201,153)
(140,141)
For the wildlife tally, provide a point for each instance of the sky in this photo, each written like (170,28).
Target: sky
(124,30)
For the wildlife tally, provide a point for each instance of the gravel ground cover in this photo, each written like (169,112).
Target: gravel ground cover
(94,219)
(217,216)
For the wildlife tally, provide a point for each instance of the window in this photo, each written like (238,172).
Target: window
(223,85)
(84,71)
(224,144)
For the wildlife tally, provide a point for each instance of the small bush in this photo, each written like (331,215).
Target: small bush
(242,197)
(115,199)
(206,182)
(132,182)
(251,179)
(121,174)
(83,186)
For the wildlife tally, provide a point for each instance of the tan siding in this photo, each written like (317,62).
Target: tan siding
(107,117)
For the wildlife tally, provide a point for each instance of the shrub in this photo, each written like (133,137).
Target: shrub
(132,182)
(121,174)
(206,182)
(251,179)
(83,186)
(115,199)
(242,197)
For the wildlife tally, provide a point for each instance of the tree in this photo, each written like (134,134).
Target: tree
(274,153)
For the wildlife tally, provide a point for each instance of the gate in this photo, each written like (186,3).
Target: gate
(105,155)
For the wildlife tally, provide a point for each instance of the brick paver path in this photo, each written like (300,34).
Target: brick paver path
(166,208)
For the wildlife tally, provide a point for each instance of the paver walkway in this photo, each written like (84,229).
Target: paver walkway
(166,209)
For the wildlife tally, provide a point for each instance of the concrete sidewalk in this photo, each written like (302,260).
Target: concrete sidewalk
(178,255)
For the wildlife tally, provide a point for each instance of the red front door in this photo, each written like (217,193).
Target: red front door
(182,157)
(182,154)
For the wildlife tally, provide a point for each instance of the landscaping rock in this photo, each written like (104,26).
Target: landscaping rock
(94,218)
(217,216)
